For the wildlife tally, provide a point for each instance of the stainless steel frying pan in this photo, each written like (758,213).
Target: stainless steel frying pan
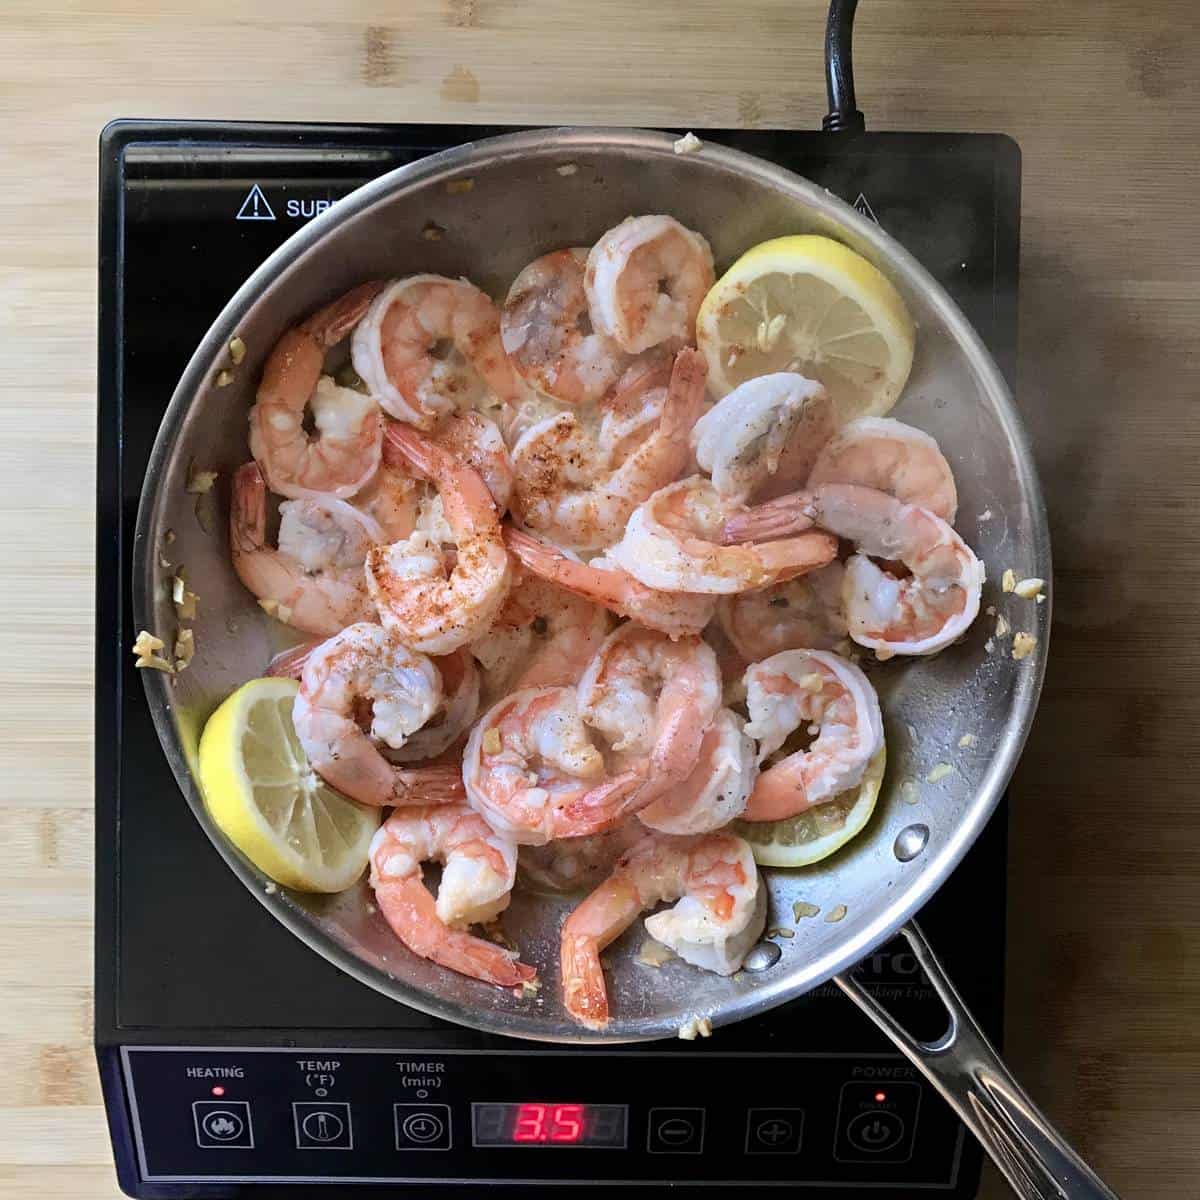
(500,203)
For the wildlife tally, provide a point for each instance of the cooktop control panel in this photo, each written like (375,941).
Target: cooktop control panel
(541,1117)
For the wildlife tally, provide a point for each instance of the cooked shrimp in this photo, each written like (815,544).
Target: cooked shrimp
(717,789)
(543,636)
(454,715)
(578,487)
(429,346)
(809,687)
(652,700)
(720,913)
(532,771)
(918,614)
(325,533)
(645,281)
(765,434)
(433,612)
(391,499)
(344,454)
(477,880)
(806,613)
(672,542)
(365,673)
(476,441)
(548,335)
(320,603)
(892,457)
(677,614)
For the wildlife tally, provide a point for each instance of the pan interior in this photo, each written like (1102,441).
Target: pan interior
(958,719)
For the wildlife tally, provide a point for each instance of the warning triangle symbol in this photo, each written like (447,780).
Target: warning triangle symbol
(863,206)
(255,207)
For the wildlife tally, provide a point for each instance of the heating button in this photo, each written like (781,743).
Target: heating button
(222,1125)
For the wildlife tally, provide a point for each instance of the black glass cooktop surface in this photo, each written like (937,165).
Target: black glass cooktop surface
(187,959)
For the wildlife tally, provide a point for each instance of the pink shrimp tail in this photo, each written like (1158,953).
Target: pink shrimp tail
(248,510)
(585,996)
(779,793)
(411,912)
(798,555)
(438,784)
(685,393)
(776,519)
(602,806)
(289,664)
(331,324)
(415,450)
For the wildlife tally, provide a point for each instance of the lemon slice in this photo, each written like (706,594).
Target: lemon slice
(809,304)
(268,801)
(810,836)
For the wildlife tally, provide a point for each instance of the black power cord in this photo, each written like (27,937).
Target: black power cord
(843,115)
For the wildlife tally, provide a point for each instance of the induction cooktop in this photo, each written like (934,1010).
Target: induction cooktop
(237,1062)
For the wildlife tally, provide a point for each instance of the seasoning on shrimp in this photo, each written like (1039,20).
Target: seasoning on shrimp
(577,486)
(433,611)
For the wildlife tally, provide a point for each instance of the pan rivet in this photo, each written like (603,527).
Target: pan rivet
(764,955)
(910,841)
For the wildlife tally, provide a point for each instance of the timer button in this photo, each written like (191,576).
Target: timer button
(422,1126)
(676,1131)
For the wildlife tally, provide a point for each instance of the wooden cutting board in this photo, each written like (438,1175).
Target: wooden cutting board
(1104,98)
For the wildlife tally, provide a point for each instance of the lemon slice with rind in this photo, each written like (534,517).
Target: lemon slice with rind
(261,791)
(809,304)
(810,836)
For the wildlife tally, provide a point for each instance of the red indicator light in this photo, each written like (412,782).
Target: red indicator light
(880,1097)
(218,1090)
(562,1123)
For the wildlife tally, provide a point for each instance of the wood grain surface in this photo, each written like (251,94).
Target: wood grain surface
(1104,98)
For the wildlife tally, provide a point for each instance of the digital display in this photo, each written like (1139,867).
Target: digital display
(549,1123)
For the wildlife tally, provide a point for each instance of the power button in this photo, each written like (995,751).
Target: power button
(874,1133)
(877,1121)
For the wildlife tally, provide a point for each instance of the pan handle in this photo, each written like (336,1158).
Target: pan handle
(1029,1151)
